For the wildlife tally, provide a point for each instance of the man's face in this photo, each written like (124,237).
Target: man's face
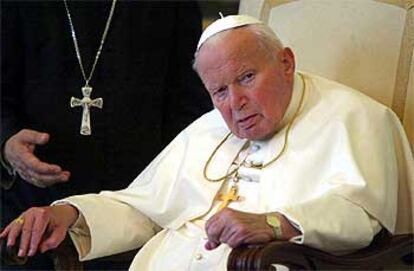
(250,87)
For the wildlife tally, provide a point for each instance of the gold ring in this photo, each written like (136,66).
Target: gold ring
(19,220)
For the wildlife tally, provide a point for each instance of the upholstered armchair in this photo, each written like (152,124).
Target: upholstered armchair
(368,45)
(384,253)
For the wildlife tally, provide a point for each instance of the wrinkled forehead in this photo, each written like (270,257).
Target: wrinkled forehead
(237,45)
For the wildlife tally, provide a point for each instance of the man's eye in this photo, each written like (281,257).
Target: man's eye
(247,77)
(220,93)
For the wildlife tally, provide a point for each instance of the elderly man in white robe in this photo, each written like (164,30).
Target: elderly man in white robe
(284,155)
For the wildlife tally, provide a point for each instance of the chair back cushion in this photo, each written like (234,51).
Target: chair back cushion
(368,45)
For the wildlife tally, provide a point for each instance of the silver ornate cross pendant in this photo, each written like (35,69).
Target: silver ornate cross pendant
(86,102)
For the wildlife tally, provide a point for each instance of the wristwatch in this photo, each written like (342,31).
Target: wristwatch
(274,222)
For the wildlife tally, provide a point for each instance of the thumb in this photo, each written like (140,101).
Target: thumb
(210,245)
(35,137)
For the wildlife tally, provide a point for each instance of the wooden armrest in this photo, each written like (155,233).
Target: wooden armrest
(64,257)
(9,255)
(384,253)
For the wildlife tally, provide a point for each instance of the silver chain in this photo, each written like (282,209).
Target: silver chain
(75,41)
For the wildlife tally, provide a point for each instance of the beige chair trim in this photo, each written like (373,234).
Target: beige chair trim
(405,4)
(406,51)
(404,65)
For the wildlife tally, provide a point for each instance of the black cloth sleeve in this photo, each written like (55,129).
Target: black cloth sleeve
(12,73)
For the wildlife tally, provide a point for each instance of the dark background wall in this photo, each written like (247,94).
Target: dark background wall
(211,9)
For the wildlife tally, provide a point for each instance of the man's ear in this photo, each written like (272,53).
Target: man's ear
(288,61)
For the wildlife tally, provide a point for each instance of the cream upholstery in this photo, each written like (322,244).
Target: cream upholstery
(366,44)
(409,105)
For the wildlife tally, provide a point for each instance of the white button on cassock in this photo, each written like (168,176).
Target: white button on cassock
(255,148)
(198,256)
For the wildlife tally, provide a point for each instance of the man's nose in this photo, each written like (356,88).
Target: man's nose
(238,98)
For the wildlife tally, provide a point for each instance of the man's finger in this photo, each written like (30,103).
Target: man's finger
(29,179)
(14,229)
(212,219)
(5,232)
(40,179)
(210,245)
(233,238)
(50,179)
(38,230)
(214,227)
(33,137)
(213,232)
(25,236)
(31,162)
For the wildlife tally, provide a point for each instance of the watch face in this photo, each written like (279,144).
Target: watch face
(273,221)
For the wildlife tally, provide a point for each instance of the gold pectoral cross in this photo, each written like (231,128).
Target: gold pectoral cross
(229,197)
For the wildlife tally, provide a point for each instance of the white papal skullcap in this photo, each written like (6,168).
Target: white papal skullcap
(228,22)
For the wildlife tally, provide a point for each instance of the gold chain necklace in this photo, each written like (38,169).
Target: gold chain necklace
(286,138)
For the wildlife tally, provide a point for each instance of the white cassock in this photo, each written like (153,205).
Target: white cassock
(347,171)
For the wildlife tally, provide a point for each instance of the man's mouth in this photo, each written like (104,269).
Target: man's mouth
(247,122)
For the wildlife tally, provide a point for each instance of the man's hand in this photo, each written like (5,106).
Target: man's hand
(40,228)
(18,151)
(236,228)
